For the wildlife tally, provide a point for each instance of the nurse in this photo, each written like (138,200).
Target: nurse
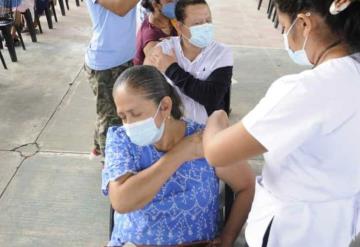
(308,128)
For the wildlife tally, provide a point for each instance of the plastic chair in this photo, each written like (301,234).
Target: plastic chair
(5,27)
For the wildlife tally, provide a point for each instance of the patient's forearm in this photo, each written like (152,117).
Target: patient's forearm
(238,215)
(140,189)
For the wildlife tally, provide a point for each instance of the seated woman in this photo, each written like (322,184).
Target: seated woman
(199,66)
(163,191)
(154,28)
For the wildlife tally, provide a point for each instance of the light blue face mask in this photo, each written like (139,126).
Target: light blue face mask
(168,10)
(201,35)
(299,57)
(145,132)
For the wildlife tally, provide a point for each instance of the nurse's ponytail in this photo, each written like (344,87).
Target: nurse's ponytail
(345,23)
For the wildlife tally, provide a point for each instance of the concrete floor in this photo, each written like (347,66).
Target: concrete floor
(49,190)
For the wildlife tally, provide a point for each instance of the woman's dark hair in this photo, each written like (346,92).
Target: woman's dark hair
(181,6)
(346,24)
(147,4)
(153,84)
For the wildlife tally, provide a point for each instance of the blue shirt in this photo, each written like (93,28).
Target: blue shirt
(186,209)
(113,40)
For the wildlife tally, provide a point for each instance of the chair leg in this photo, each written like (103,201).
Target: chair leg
(48,17)
(67,4)
(53,10)
(259,5)
(2,60)
(269,6)
(62,7)
(77,3)
(271,11)
(229,199)
(30,25)
(111,221)
(9,42)
(20,37)
(276,25)
(274,16)
(37,20)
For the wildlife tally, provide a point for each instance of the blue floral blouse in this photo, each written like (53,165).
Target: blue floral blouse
(186,209)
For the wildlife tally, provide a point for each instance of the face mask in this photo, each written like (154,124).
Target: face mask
(145,132)
(299,57)
(201,35)
(168,10)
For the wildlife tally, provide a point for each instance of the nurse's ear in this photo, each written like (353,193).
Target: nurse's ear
(307,23)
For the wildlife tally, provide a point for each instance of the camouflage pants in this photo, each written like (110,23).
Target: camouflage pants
(102,83)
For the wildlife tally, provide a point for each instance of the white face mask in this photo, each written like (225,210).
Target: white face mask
(299,57)
(145,132)
(201,35)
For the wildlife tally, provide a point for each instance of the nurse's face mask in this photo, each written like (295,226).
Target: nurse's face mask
(145,132)
(299,57)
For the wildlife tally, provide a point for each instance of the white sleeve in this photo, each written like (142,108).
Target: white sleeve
(285,118)
(166,45)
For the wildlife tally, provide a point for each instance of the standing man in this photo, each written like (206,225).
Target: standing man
(111,49)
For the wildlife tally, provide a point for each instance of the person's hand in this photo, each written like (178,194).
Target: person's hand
(161,60)
(190,147)
(219,119)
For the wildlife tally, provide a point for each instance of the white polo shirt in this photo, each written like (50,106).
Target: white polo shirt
(215,56)
(310,186)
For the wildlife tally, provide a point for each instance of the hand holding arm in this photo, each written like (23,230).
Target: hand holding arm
(133,191)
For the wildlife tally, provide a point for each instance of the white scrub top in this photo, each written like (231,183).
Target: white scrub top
(213,57)
(310,185)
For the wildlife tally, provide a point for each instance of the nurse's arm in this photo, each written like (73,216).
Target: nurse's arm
(241,179)
(119,7)
(224,145)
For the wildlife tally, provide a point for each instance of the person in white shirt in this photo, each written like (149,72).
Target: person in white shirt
(308,128)
(199,67)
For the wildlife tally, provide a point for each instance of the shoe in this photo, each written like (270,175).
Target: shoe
(95,154)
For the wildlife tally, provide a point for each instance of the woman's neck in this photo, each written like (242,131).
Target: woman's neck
(338,51)
(173,133)
(190,51)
